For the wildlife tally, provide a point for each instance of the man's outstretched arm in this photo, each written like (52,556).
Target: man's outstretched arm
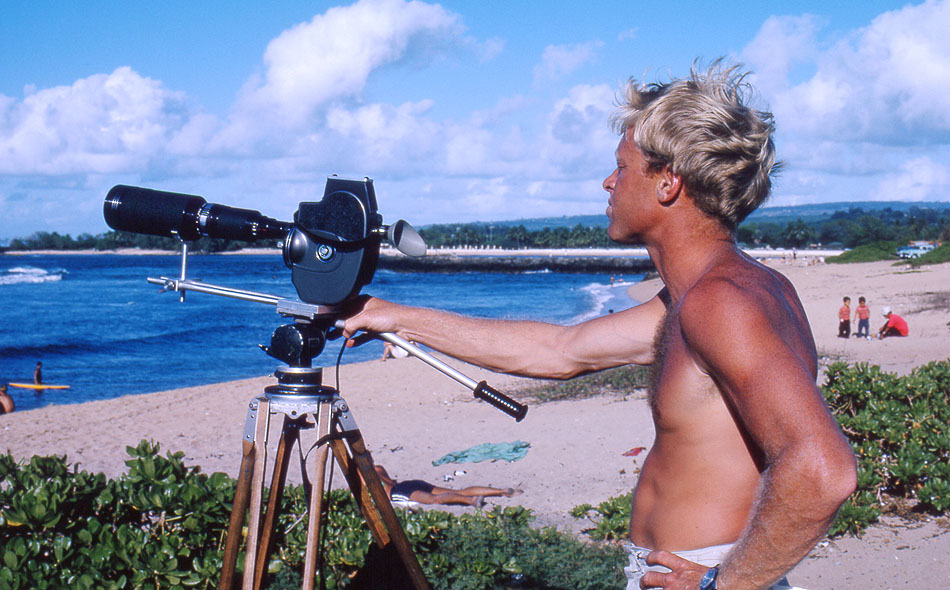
(527,348)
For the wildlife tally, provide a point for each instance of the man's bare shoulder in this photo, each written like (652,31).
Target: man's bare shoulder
(746,304)
(743,295)
(738,286)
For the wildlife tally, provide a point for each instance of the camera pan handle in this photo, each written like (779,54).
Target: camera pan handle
(481,389)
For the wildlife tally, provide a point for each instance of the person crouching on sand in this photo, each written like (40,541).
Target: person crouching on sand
(895,326)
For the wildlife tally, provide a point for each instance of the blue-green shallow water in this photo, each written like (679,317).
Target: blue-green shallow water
(97,325)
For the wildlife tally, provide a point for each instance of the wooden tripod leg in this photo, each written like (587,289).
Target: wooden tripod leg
(238,512)
(289,434)
(385,509)
(257,492)
(360,493)
(315,507)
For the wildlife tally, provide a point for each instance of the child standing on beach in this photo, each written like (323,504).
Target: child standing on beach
(863,315)
(844,319)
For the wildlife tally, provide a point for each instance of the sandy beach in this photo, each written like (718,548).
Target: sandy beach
(411,415)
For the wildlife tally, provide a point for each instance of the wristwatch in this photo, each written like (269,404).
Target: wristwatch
(709,579)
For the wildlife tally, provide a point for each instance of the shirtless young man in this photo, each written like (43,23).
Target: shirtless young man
(748,465)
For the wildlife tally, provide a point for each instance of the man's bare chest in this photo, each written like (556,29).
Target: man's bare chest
(679,388)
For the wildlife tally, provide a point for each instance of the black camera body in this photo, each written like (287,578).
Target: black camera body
(332,246)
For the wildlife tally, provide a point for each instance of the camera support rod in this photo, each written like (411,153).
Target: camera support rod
(481,389)
(299,309)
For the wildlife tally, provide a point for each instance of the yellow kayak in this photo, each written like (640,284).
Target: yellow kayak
(35,386)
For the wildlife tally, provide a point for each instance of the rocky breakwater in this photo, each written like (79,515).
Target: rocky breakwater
(461,260)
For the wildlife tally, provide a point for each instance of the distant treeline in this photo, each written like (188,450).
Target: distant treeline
(843,229)
(515,236)
(113,240)
(852,228)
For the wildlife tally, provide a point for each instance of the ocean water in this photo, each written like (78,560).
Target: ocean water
(98,326)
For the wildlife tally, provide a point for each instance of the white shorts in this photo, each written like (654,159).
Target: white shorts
(707,556)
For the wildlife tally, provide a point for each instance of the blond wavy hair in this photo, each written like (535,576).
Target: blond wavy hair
(703,129)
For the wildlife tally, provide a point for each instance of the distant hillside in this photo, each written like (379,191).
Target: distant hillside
(820,211)
(781,215)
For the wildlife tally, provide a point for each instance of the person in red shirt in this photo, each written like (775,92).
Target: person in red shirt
(844,319)
(895,326)
(863,315)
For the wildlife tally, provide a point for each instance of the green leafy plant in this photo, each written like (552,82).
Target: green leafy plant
(611,518)
(938,255)
(899,429)
(621,381)
(161,525)
(867,253)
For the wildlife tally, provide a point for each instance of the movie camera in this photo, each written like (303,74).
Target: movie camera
(332,248)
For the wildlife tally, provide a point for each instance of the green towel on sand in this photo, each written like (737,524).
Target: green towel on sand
(509,451)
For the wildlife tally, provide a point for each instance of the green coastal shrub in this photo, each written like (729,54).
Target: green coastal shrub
(154,527)
(938,255)
(619,381)
(611,518)
(899,429)
(162,525)
(867,253)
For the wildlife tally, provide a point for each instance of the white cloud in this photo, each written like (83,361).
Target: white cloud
(391,139)
(918,179)
(560,60)
(483,197)
(886,82)
(106,123)
(578,139)
(490,49)
(628,34)
(781,43)
(331,57)
(864,115)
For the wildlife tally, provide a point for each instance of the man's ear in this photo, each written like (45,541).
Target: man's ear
(668,186)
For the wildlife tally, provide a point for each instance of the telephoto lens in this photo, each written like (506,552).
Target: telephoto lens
(189,217)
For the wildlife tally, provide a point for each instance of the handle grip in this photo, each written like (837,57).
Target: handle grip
(482,390)
(486,392)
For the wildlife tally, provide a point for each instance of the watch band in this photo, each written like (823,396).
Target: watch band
(709,579)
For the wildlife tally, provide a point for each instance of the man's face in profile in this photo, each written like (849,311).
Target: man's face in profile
(632,191)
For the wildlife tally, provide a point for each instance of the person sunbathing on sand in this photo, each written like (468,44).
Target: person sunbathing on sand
(416,490)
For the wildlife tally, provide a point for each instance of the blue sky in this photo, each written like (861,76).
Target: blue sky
(460,111)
